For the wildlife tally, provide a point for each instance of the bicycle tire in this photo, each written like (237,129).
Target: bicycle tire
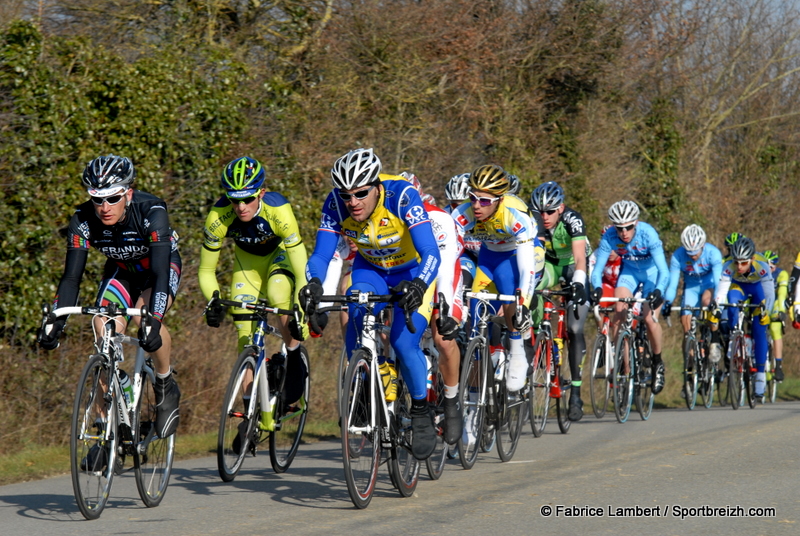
(709,381)
(232,445)
(772,383)
(539,384)
(473,388)
(643,389)
(622,383)
(285,439)
(403,466)
(564,375)
(509,426)
(599,381)
(435,462)
(340,374)
(735,372)
(691,351)
(361,446)
(92,487)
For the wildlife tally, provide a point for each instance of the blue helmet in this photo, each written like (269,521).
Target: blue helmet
(243,177)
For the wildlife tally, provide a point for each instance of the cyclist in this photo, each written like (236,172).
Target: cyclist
(778,313)
(397,252)
(143,267)
(747,275)
(643,262)
(457,193)
(269,259)
(794,292)
(566,251)
(510,255)
(514,185)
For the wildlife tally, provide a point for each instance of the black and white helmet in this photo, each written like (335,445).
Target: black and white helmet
(358,167)
(743,249)
(547,196)
(693,239)
(513,184)
(107,175)
(457,188)
(623,212)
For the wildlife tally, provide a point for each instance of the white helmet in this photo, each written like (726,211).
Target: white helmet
(693,239)
(623,212)
(457,189)
(513,184)
(357,168)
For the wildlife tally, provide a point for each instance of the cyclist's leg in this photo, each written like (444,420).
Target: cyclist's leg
(450,364)
(576,347)
(776,331)
(756,293)
(506,279)
(654,332)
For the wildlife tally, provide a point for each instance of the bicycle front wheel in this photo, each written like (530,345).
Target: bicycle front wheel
(473,395)
(403,466)
(289,425)
(564,375)
(708,381)
(772,383)
(599,380)
(736,373)
(510,413)
(361,446)
(93,438)
(436,462)
(691,352)
(237,430)
(153,456)
(750,383)
(539,383)
(643,372)
(622,379)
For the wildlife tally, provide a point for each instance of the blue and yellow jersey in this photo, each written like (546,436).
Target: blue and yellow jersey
(397,235)
(759,272)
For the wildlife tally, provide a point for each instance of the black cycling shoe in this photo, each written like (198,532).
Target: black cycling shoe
(778,375)
(453,420)
(96,459)
(575,412)
(423,438)
(237,441)
(168,397)
(658,379)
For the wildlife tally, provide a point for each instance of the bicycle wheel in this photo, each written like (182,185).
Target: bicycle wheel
(403,466)
(361,447)
(285,438)
(723,395)
(621,379)
(564,375)
(643,372)
(435,463)
(772,384)
(340,374)
(539,384)
(236,431)
(708,380)
(510,408)
(93,438)
(690,356)
(473,392)
(599,377)
(153,456)
(736,372)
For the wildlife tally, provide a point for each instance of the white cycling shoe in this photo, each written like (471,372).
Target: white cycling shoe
(517,372)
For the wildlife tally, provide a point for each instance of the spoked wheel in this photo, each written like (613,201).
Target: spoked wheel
(539,384)
(771,392)
(723,384)
(403,466)
(93,438)
(340,374)
(750,385)
(361,447)
(153,456)
(691,352)
(435,463)
(473,389)
(285,438)
(622,380)
(736,374)
(237,433)
(510,414)
(564,375)
(599,381)
(708,381)
(644,381)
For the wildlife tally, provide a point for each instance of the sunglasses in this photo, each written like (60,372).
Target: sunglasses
(621,228)
(483,201)
(361,194)
(246,200)
(743,263)
(111,200)
(550,212)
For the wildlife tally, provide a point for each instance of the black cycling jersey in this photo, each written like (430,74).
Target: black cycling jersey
(142,243)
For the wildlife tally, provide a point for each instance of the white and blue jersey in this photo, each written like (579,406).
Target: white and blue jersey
(643,260)
(698,275)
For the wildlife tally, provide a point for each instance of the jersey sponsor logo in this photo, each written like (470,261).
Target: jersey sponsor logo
(351,234)
(106,232)
(160,302)
(384,222)
(386,252)
(279,258)
(415,215)
(762,273)
(246,298)
(291,238)
(518,228)
(125,253)
(405,199)
(441,237)
(327,223)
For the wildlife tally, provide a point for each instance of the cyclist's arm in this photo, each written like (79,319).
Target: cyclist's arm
(674,278)
(69,286)
(601,258)
(283,222)
(660,261)
(213,235)
(723,286)
(794,288)
(428,251)
(716,266)
(768,285)
(581,264)
(160,252)
(526,264)
(782,292)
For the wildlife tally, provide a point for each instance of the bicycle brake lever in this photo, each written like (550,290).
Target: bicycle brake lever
(409,323)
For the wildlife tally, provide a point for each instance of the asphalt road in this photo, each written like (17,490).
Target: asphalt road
(674,468)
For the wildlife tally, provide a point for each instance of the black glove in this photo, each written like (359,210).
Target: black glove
(413,292)
(597,294)
(654,299)
(214,314)
(448,327)
(152,341)
(666,309)
(310,294)
(578,293)
(50,341)
(525,322)
(295,330)
(714,309)
(321,319)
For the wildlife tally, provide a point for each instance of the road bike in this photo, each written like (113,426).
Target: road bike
(491,412)
(741,369)
(602,363)
(254,408)
(114,416)
(699,372)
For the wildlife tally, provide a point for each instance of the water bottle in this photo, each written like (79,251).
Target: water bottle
(127,388)
(499,362)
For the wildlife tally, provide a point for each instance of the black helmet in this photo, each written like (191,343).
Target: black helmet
(106,175)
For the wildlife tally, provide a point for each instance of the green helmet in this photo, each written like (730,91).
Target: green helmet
(732,238)
(243,177)
(772,256)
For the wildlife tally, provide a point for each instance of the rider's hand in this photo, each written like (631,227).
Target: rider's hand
(715,311)
(151,341)
(597,295)
(524,323)
(49,334)
(298,331)
(654,299)
(666,309)
(214,314)
(321,320)
(310,294)
(448,327)
(578,293)
(413,292)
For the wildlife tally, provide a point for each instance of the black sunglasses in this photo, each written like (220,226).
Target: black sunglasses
(361,194)
(111,200)
(625,228)
(246,200)
(550,212)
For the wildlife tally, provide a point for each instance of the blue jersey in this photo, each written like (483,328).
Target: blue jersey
(644,252)
(705,271)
